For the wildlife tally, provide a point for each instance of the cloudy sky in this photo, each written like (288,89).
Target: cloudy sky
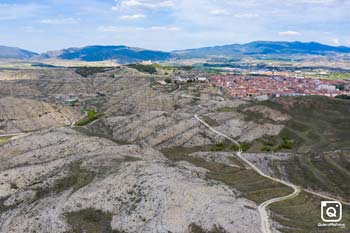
(170,24)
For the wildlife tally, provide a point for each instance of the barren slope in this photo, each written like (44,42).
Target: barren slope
(62,181)
(22,115)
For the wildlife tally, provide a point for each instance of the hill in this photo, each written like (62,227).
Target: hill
(263,48)
(15,53)
(122,54)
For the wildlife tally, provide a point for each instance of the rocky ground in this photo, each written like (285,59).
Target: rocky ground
(19,115)
(146,164)
(55,176)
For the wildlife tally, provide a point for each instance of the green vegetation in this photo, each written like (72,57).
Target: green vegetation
(90,221)
(286,144)
(225,109)
(253,116)
(88,71)
(302,215)
(4,139)
(197,229)
(317,123)
(344,97)
(77,178)
(97,132)
(3,207)
(229,146)
(325,172)
(337,76)
(91,116)
(150,69)
(252,185)
(218,147)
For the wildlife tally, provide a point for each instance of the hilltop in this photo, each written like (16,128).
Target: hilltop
(15,53)
(121,54)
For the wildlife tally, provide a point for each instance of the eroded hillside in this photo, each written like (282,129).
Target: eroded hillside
(143,162)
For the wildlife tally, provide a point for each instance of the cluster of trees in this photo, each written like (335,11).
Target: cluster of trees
(344,97)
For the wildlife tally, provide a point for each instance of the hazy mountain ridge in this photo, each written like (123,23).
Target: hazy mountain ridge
(264,48)
(125,54)
(121,53)
(15,53)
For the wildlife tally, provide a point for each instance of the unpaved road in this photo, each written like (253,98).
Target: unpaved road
(13,136)
(265,226)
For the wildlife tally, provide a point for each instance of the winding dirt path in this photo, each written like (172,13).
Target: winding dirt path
(264,217)
(265,226)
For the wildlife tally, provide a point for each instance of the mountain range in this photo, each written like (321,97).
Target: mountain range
(264,48)
(125,54)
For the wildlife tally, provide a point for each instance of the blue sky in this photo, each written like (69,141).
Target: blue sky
(170,24)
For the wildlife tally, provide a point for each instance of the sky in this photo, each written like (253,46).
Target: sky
(168,25)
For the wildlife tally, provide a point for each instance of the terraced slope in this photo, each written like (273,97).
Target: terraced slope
(19,115)
(317,123)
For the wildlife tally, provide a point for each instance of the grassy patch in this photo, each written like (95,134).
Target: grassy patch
(287,144)
(88,71)
(252,185)
(323,172)
(91,116)
(197,229)
(150,69)
(77,178)
(303,213)
(4,139)
(90,221)
(226,109)
(3,207)
(228,146)
(218,147)
(317,123)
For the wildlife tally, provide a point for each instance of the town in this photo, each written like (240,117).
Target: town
(277,86)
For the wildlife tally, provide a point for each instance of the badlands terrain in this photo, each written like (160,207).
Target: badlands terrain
(113,150)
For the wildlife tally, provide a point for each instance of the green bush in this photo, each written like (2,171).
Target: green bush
(91,116)
(218,147)
(287,144)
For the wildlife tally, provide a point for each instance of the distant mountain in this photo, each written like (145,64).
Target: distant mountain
(124,54)
(263,48)
(121,54)
(15,53)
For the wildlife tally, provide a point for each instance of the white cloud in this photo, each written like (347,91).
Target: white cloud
(163,28)
(219,12)
(132,17)
(123,29)
(314,1)
(59,21)
(289,33)
(246,15)
(335,41)
(142,4)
